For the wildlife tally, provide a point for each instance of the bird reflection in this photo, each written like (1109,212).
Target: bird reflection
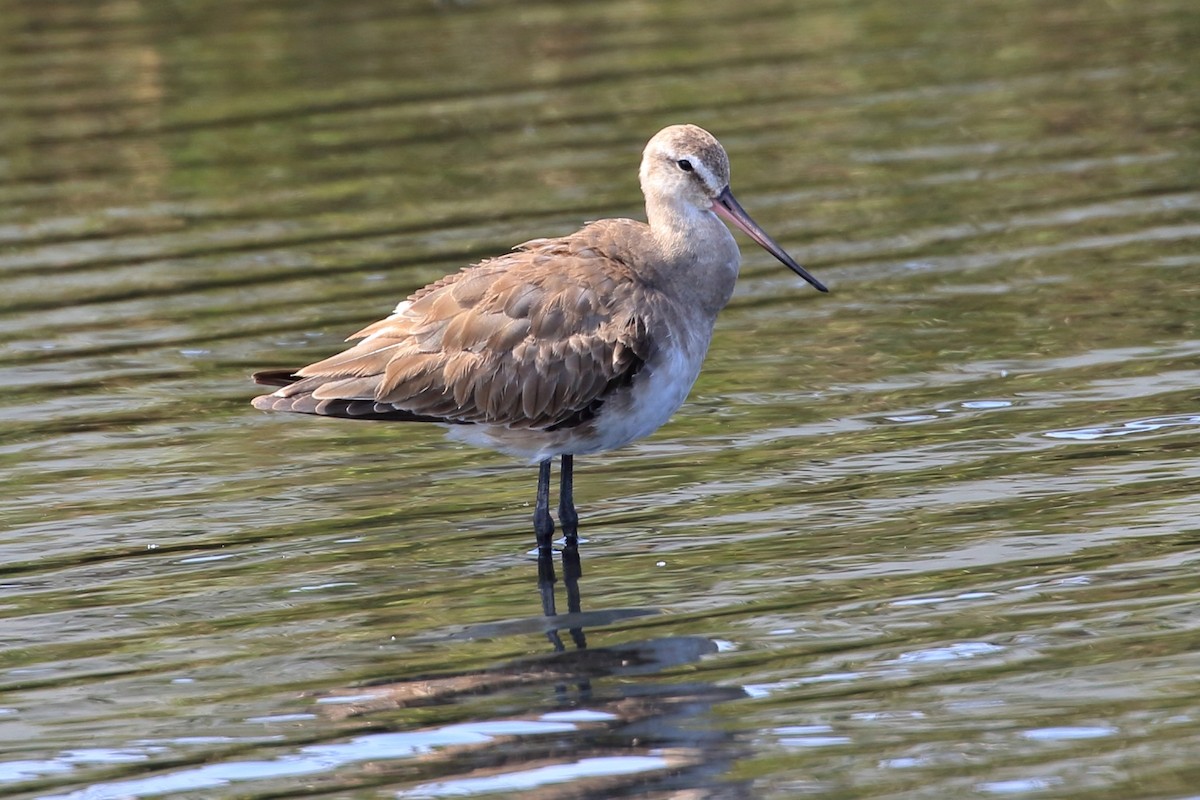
(572,572)
(608,706)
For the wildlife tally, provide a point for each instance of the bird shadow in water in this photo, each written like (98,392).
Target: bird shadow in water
(616,705)
(572,572)
(578,666)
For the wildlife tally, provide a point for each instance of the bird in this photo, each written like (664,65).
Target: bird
(565,346)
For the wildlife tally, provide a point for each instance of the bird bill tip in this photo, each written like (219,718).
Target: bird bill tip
(728,208)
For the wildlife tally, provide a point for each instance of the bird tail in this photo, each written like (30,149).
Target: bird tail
(301,401)
(275,377)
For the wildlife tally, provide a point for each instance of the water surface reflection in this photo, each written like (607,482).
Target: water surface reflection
(933,536)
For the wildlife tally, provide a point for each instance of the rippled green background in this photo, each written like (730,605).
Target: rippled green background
(934,535)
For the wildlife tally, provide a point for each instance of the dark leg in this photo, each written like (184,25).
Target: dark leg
(566,499)
(543,526)
(572,570)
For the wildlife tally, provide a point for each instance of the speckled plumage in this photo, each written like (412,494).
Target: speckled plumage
(531,341)
(566,345)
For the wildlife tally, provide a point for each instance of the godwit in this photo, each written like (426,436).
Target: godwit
(564,347)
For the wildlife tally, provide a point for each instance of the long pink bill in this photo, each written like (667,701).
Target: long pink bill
(728,208)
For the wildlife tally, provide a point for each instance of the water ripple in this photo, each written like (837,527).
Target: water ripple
(1177,423)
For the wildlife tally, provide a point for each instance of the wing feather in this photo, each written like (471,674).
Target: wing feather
(534,339)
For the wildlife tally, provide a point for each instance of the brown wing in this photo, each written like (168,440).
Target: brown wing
(534,339)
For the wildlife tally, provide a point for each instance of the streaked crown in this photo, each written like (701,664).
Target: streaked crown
(684,160)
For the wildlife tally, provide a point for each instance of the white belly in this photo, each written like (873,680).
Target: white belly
(658,389)
(657,392)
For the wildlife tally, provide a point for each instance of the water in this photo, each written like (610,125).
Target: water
(933,535)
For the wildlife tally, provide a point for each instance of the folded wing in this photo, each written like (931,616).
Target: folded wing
(534,339)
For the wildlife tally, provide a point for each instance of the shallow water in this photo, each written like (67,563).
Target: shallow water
(933,535)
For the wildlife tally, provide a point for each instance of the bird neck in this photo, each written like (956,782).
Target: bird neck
(697,253)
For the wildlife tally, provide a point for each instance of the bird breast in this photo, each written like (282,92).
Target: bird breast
(659,388)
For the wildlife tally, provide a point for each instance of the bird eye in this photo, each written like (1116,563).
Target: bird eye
(685,165)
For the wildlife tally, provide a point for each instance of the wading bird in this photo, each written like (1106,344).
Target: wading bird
(566,346)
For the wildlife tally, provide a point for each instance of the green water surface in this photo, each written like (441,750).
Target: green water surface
(934,535)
